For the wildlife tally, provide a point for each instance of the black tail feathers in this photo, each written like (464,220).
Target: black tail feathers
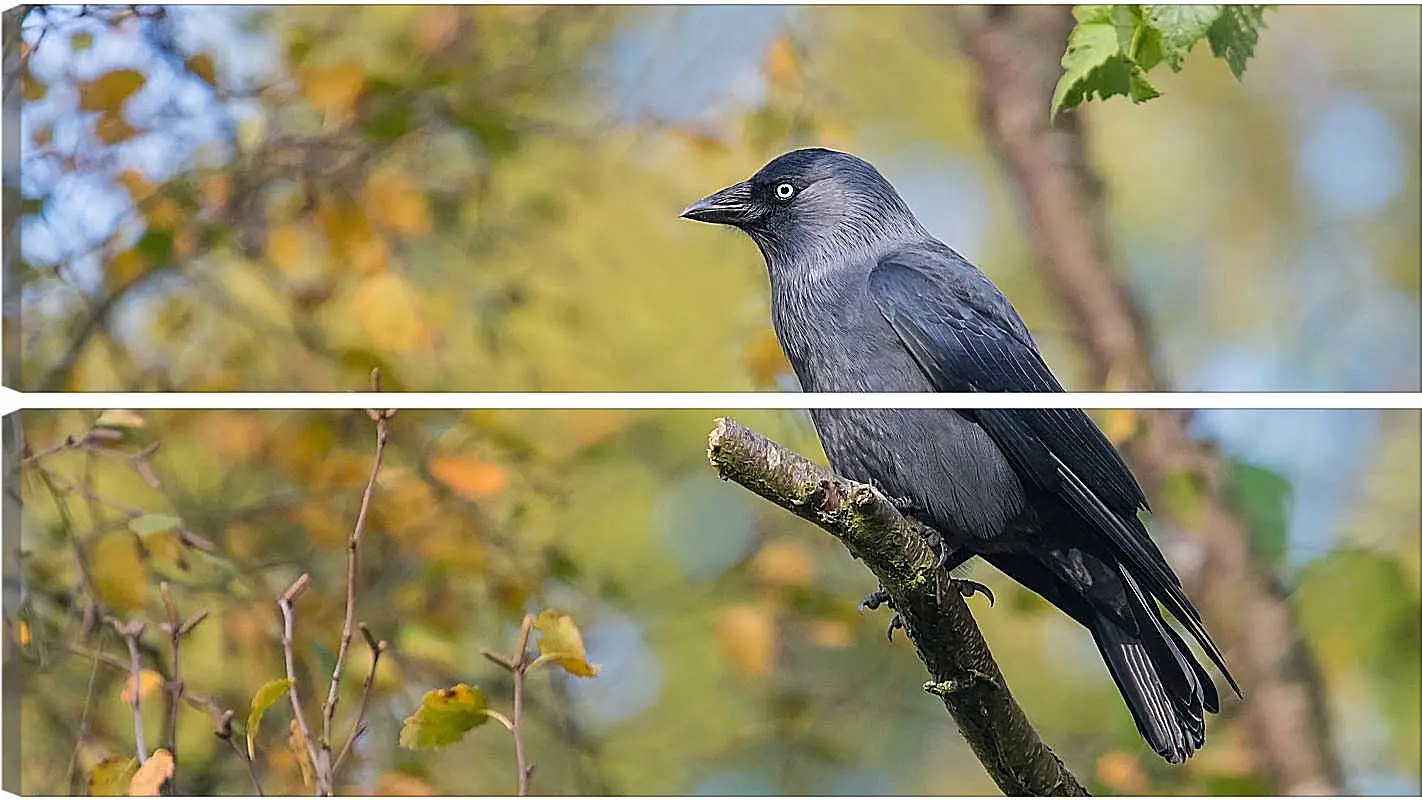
(1164,686)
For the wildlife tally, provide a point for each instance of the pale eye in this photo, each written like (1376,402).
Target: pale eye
(784,191)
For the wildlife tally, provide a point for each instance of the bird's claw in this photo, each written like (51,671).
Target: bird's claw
(895,623)
(874,599)
(968,588)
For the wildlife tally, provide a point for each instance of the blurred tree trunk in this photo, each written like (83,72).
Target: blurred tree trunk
(1017,50)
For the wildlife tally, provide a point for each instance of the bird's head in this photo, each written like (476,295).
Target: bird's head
(808,200)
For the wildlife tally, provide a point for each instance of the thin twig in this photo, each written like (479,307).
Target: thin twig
(288,615)
(224,731)
(358,727)
(515,726)
(83,732)
(328,711)
(130,634)
(176,629)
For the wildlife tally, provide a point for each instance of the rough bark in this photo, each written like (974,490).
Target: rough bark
(935,616)
(1017,49)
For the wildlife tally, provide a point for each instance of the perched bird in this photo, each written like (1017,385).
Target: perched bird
(863,299)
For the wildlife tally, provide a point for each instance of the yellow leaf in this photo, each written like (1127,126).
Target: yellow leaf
(286,246)
(747,637)
(782,65)
(120,418)
(390,311)
(784,563)
(1122,773)
(23,633)
(296,743)
(397,202)
(163,213)
(112,128)
(32,90)
(764,359)
(124,268)
(138,186)
(110,777)
(831,634)
(335,88)
(120,576)
(108,91)
(202,66)
(266,696)
(148,680)
(350,233)
(561,642)
(400,784)
(1119,424)
(152,775)
(469,477)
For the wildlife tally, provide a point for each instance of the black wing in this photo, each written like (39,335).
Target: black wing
(966,338)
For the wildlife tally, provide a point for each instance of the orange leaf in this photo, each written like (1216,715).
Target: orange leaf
(334,88)
(470,477)
(397,202)
(782,65)
(784,563)
(138,186)
(148,680)
(286,246)
(747,637)
(151,776)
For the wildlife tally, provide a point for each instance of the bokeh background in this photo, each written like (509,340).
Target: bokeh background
(487,198)
(733,659)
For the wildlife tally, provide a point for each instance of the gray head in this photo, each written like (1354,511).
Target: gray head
(812,203)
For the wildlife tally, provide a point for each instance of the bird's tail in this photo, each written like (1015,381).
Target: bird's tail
(1164,686)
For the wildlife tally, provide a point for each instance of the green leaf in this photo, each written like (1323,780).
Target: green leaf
(80,42)
(1180,27)
(1112,47)
(444,716)
(1234,35)
(1097,63)
(156,246)
(153,523)
(271,691)
(1262,497)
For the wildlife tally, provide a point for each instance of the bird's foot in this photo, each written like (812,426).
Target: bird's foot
(968,588)
(896,623)
(874,599)
(906,506)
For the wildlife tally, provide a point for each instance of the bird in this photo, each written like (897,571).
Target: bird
(864,299)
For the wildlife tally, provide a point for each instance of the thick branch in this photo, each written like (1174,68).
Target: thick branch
(934,614)
(1016,49)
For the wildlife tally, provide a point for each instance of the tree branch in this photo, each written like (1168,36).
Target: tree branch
(288,617)
(328,712)
(935,617)
(130,633)
(1016,49)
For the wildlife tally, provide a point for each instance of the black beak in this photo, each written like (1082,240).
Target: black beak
(730,206)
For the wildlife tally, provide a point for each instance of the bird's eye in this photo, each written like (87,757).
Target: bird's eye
(784,191)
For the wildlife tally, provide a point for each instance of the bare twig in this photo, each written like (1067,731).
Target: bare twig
(1017,50)
(288,616)
(328,712)
(515,725)
(176,629)
(358,727)
(130,633)
(934,615)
